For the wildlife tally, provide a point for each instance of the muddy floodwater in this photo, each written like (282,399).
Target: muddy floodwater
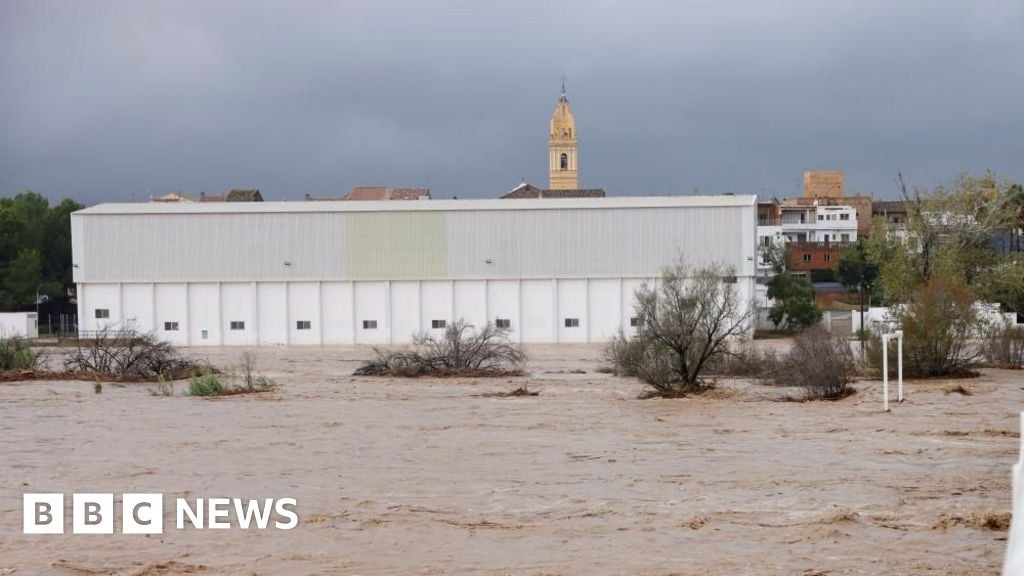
(432,476)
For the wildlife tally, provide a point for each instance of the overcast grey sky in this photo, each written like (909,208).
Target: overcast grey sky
(106,101)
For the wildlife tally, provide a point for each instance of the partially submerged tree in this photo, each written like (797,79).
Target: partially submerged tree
(939,321)
(819,362)
(462,351)
(684,324)
(127,355)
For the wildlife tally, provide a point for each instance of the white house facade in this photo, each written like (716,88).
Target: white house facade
(291,273)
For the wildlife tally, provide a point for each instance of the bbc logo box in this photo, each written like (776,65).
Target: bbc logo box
(93,513)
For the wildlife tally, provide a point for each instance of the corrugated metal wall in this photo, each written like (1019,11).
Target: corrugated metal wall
(568,243)
(562,243)
(177,247)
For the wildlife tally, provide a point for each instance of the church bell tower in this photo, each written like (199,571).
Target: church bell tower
(563,148)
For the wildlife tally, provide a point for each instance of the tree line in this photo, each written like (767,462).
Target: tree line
(35,249)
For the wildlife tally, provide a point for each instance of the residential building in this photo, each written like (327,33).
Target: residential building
(893,212)
(525,190)
(385,193)
(824,184)
(173,197)
(236,195)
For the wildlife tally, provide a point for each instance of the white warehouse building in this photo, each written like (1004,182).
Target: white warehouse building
(246,273)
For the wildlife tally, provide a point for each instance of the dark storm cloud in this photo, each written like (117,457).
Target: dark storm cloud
(108,101)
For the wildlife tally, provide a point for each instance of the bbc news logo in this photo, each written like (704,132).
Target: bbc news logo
(144,513)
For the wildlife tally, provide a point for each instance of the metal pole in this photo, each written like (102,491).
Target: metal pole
(862,332)
(899,364)
(885,372)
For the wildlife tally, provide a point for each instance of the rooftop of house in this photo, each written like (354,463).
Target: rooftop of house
(889,207)
(173,197)
(525,190)
(385,193)
(235,195)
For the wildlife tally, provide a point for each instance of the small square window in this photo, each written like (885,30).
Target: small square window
(436,324)
(170,326)
(303,324)
(634,321)
(828,257)
(807,258)
(204,334)
(821,216)
(845,237)
(369,324)
(572,322)
(503,323)
(103,313)
(237,325)
(728,279)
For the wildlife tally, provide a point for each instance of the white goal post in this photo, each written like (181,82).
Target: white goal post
(1013,564)
(885,368)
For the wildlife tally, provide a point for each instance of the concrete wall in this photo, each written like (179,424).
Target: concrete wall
(249,313)
(19,324)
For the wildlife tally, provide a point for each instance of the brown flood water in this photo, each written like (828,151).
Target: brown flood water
(429,477)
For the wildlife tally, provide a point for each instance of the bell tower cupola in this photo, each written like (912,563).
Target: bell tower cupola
(563,147)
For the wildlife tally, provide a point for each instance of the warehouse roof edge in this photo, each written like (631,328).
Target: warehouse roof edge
(421,206)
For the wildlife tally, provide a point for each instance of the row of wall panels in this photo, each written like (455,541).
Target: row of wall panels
(234,313)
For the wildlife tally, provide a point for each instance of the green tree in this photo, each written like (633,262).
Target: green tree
(23,276)
(57,244)
(857,273)
(938,322)
(1004,283)
(35,249)
(794,296)
(948,233)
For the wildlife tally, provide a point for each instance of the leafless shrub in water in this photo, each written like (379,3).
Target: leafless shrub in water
(819,363)
(127,355)
(461,351)
(684,326)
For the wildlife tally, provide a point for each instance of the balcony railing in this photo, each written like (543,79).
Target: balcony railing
(838,245)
